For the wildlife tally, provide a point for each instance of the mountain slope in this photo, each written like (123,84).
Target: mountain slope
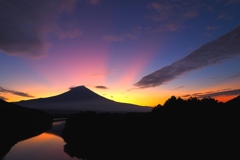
(81,99)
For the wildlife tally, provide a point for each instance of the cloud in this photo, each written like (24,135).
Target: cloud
(101,87)
(3,90)
(25,25)
(235,76)
(170,16)
(186,95)
(68,30)
(223,92)
(172,10)
(216,51)
(168,27)
(180,87)
(114,38)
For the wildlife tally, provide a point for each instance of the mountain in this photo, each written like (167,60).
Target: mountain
(81,99)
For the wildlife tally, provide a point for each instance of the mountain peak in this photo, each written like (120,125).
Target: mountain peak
(75,87)
(78,93)
(82,87)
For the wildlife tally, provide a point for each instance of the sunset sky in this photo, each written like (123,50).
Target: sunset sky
(134,51)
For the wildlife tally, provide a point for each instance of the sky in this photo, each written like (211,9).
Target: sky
(139,52)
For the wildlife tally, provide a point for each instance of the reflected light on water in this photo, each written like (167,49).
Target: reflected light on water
(45,146)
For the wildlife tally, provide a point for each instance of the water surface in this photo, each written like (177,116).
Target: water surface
(46,146)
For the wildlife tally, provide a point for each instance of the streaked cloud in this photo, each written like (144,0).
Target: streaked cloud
(25,25)
(112,38)
(180,87)
(235,76)
(216,51)
(186,96)
(165,13)
(18,93)
(223,92)
(169,11)
(68,30)
(168,27)
(120,38)
(101,87)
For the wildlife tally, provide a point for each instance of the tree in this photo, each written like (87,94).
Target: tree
(157,108)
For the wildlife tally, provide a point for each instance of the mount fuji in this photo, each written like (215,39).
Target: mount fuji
(79,99)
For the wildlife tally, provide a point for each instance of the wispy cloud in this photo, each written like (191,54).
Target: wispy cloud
(235,76)
(223,92)
(172,13)
(25,25)
(169,10)
(168,27)
(18,93)
(180,87)
(216,51)
(101,87)
(120,38)
(112,38)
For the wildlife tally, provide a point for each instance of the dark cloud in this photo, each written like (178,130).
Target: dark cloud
(3,90)
(222,93)
(180,87)
(222,48)
(186,95)
(101,87)
(25,24)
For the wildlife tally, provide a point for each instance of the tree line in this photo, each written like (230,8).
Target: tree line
(194,103)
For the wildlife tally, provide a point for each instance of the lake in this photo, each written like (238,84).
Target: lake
(46,146)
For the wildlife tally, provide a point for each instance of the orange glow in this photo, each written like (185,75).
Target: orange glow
(225,98)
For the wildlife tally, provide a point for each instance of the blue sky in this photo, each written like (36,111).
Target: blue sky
(124,50)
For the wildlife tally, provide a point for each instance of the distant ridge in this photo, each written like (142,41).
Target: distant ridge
(79,99)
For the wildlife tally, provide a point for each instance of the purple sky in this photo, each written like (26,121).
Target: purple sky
(139,52)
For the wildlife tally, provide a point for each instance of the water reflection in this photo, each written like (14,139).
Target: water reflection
(11,135)
(48,146)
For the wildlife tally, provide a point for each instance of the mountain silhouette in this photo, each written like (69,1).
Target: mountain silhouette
(81,99)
